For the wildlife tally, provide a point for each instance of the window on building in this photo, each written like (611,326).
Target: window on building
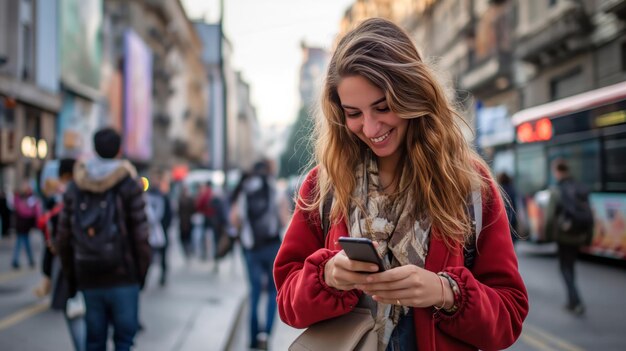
(568,84)
(26,52)
(26,27)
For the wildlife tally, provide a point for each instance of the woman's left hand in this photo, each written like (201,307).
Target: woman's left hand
(407,286)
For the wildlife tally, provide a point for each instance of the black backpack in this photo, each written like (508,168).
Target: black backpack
(574,218)
(261,216)
(98,232)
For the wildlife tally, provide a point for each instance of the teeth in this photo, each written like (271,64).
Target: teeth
(380,138)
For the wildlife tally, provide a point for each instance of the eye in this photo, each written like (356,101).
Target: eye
(383,109)
(352,114)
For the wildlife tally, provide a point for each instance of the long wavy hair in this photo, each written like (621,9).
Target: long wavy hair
(441,167)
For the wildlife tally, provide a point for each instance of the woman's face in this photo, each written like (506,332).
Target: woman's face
(368,116)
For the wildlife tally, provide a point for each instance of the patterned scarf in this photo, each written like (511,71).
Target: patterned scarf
(387,220)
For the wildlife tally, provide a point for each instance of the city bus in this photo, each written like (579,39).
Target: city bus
(589,131)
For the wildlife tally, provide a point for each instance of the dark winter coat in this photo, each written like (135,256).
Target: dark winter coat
(98,176)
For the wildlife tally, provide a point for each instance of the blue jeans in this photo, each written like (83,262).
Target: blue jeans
(78,331)
(260,264)
(22,239)
(118,306)
(403,335)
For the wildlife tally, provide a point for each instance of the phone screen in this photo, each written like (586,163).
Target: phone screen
(361,249)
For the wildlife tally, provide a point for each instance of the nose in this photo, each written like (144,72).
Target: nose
(371,126)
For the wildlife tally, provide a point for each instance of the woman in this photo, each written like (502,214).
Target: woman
(186,209)
(393,158)
(27,209)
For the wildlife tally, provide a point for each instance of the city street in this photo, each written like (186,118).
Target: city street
(199,307)
(195,311)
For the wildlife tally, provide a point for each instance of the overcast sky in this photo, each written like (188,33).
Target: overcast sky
(266,36)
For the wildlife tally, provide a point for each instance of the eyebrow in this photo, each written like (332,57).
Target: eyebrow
(372,104)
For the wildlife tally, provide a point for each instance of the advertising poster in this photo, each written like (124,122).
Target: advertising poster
(81,43)
(610,225)
(77,121)
(137,98)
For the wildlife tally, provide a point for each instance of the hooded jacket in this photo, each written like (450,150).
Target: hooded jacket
(491,308)
(97,176)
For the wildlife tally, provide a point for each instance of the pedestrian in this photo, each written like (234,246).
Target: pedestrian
(27,209)
(103,242)
(159,213)
(5,214)
(255,213)
(392,158)
(54,280)
(204,206)
(186,209)
(46,223)
(569,220)
(510,201)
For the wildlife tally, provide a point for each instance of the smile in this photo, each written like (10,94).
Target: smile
(381,138)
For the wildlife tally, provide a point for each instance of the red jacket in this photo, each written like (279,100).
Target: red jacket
(493,302)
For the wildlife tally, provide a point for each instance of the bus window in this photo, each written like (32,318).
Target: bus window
(615,162)
(531,169)
(583,159)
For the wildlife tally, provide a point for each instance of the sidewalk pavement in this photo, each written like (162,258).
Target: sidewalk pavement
(199,308)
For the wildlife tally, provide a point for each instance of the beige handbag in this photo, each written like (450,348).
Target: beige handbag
(352,331)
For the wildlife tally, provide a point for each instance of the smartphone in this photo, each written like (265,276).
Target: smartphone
(361,249)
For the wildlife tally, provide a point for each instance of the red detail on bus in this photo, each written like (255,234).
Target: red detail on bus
(543,129)
(525,133)
(530,132)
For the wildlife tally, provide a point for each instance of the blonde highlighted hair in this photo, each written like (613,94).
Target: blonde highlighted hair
(441,167)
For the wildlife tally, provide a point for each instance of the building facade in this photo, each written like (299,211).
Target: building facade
(70,67)
(30,96)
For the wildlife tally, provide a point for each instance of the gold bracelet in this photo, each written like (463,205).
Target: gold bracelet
(456,292)
(443,295)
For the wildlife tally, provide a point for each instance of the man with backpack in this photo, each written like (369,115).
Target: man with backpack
(102,242)
(255,212)
(569,220)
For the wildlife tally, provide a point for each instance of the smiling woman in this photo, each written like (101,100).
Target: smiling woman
(396,169)
(368,116)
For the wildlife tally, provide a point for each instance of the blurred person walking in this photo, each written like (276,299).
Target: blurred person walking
(186,209)
(54,280)
(27,208)
(5,214)
(255,213)
(210,204)
(393,167)
(159,213)
(569,220)
(103,242)
(204,206)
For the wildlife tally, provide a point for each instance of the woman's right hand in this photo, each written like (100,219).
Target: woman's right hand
(343,273)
